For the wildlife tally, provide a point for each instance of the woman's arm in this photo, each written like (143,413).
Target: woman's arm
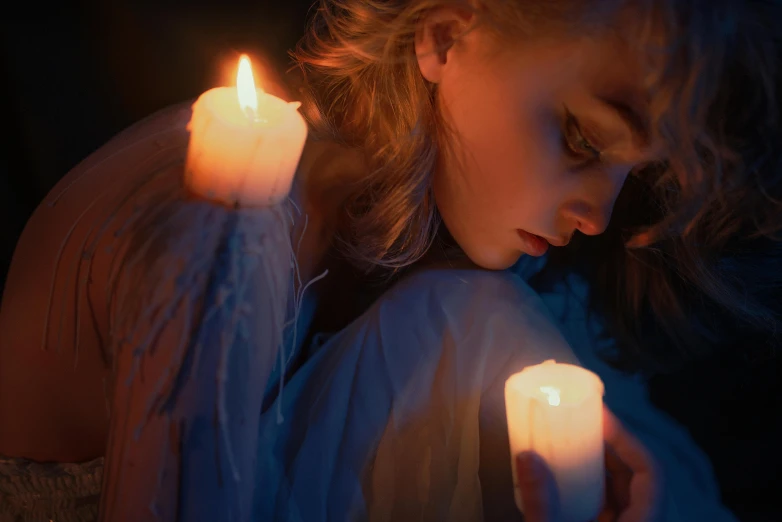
(200,308)
(55,370)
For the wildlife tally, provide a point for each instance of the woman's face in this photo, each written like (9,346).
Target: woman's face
(540,139)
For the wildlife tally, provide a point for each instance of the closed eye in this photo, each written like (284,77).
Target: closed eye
(575,144)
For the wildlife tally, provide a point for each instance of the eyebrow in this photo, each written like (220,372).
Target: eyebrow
(630,116)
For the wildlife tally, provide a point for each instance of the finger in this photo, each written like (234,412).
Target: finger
(625,446)
(607,515)
(643,499)
(616,496)
(615,466)
(618,480)
(538,489)
(634,470)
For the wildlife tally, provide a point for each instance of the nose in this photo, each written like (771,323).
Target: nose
(589,209)
(586,218)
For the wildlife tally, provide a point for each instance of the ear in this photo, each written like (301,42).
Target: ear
(435,37)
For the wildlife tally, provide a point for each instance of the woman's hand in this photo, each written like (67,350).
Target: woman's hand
(632,489)
(632,492)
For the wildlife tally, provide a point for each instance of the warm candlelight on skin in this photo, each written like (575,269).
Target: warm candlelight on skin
(556,411)
(245,144)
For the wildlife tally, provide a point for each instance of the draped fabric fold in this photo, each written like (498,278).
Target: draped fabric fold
(400,415)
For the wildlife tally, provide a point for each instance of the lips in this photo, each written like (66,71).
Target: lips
(534,245)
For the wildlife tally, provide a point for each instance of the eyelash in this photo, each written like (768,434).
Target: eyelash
(582,149)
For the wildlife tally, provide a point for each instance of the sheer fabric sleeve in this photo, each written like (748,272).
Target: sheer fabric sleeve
(401,416)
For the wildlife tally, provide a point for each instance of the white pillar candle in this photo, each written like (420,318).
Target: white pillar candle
(245,144)
(556,411)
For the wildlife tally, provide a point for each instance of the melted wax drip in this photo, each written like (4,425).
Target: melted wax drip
(163,256)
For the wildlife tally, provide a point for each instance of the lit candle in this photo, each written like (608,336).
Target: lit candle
(556,411)
(245,144)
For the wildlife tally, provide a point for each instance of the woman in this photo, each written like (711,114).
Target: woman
(517,124)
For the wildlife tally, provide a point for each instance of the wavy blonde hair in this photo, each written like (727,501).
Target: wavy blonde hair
(713,91)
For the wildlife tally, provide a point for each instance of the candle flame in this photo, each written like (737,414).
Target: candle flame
(552,393)
(245,86)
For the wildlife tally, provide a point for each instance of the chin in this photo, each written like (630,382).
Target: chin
(492,259)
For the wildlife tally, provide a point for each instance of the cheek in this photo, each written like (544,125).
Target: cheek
(508,158)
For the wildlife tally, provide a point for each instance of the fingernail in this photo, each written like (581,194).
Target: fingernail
(530,465)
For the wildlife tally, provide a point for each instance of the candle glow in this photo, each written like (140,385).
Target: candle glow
(556,411)
(245,88)
(552,394)
(245,144)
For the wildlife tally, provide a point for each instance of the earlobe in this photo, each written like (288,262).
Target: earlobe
(435,37)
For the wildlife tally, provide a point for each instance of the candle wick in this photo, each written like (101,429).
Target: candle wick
(552,394)
(252,116)
(263,103)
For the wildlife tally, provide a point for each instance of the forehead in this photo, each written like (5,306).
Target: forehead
(602,67)
(601,64)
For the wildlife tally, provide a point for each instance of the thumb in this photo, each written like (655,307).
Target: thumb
(537,488)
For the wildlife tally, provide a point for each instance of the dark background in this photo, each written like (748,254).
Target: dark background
(75,73)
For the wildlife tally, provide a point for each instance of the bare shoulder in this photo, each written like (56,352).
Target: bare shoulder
(83,214)
(54,314)
(55,357)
